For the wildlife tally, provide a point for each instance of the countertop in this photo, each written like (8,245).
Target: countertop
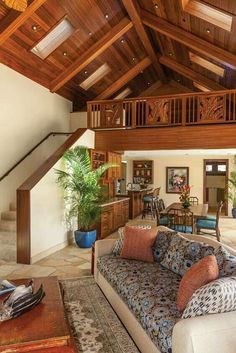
(128,191)
(114,200)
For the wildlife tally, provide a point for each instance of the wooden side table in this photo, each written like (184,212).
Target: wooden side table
(44,329)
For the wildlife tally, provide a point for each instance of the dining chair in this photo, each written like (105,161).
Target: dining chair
(194,200)
(181,220)
(210,223)
(161,219)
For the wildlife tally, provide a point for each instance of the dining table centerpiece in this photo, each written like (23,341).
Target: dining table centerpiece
(185,195)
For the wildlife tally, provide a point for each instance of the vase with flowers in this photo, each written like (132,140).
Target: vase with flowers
(185,195)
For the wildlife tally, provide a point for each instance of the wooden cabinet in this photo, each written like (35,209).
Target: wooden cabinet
(113,216)
(143,172)
(98,158)
(115,172)
(107,223)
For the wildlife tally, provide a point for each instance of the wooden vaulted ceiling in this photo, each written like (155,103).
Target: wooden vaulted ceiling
(146,43)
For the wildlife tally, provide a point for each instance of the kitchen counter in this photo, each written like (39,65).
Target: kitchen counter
(135,200)
(116,199)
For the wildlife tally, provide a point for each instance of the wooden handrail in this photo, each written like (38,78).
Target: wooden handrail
(23,199)
(32,150)
(49,163)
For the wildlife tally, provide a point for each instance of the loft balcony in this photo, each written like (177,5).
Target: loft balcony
(164,111)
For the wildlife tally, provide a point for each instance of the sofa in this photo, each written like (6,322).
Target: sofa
(159,329)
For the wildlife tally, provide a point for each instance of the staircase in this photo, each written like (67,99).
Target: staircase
(8,234)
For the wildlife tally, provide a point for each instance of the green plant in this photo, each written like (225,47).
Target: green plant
(81,187)
(231,195)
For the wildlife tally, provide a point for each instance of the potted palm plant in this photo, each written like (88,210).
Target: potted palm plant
(232,192)
(82,193)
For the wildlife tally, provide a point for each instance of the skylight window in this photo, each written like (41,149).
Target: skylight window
(95,77)
(53,39)
(126,92)
(208,13)
(200,87)
(207,64)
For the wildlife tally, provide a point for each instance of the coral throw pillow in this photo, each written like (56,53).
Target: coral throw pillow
(138,243)
(201,273)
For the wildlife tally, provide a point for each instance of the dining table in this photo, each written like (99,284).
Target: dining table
(199,211)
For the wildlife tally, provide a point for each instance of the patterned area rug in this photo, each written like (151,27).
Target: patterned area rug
(95,325)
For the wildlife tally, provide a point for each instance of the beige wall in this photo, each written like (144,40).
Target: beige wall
(28,112)
(48,227)
(78,120)
(195,164)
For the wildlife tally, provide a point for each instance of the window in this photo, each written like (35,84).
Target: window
(95,77)
(206,64)
(221,168)
(53,39)
(209,168)
(126,92)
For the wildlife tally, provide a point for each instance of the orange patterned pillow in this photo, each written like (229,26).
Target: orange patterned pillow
(138,243)
(201,273)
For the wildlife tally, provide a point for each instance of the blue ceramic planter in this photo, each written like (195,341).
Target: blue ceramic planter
(85,239)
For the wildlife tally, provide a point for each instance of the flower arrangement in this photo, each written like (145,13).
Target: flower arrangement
(185,195)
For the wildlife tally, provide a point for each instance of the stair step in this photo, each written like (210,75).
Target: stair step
(8,215)
(7,238)
(9,226)
(12,206)
(8,253)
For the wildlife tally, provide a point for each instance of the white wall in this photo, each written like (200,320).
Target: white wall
(28,112)
(195,164)
(78,120)
(48,228)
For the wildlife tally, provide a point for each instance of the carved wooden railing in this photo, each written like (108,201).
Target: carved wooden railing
(175,110)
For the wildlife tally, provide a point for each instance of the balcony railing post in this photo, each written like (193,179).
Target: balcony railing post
(134,112)
(89,112)
(184,102)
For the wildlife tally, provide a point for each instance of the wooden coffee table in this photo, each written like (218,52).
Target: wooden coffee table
(44,329)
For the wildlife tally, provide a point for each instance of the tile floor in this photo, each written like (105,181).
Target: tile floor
(75,262)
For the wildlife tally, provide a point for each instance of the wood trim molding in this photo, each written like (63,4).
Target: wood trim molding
(7,29)
(133,9)
(92,53)
(218,70)
(190,74)
(123,80)
(167,138)
(188,39)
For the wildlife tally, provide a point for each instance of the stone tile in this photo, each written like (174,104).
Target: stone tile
(33,271)
(5,270)
(85,257)
(75,260)
(85,266)
(52,262)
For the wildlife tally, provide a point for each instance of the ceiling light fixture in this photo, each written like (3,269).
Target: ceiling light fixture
(106,16)
(64,53)
(170,53)
(90,33)
(122,41)
(34,27)
(156,6)
(208,31)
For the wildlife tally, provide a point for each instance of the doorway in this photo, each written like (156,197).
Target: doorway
(215,175)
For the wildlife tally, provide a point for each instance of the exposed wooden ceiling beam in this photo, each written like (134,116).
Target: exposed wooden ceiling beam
(92,53)
(128,76)
(190,40)
(181,87)
(190,74)
(12,22)
(133,9)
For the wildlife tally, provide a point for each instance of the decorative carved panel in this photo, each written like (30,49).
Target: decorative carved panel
(111,115)
(158,111)
(211,108)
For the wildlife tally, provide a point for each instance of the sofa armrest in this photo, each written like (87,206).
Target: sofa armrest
(214,333)
(102,247)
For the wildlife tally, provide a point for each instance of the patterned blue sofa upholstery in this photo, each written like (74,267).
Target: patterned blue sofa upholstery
(150,292)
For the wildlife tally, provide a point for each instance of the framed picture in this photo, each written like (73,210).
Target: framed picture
(175,178)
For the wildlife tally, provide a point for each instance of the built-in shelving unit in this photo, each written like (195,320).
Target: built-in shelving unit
(98,158)
(143,172)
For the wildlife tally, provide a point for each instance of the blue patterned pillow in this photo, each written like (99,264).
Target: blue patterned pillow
(215,297)
(226,262)
(182,254)
(161,244)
